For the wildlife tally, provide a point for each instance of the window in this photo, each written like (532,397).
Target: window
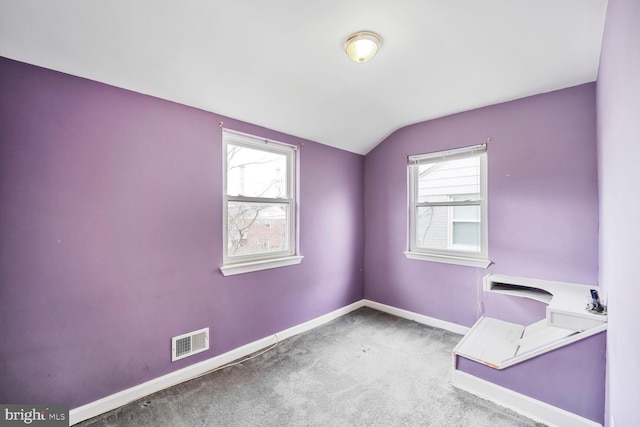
(448,207)
(259,189)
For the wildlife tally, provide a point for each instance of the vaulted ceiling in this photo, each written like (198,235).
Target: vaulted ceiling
(281,64)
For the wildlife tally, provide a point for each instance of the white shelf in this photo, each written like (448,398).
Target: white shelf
(491,342)
(501,344)
(566,301)
(519,291)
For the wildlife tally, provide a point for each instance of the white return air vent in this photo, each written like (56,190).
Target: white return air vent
(188,344)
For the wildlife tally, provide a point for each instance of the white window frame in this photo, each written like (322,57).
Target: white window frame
(255,262)
(453,254)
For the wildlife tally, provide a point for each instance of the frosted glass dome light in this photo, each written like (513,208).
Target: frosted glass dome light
(362,46)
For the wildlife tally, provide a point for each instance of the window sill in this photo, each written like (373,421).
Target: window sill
(248,267)
(449,259)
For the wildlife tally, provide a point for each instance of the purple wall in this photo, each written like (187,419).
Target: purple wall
(543,220)
(543,202)
(618,103)
(111,234)
(571,378)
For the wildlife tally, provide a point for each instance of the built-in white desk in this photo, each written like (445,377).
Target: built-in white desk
(501,344)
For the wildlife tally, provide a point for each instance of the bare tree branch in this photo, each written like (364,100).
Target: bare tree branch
(241,222)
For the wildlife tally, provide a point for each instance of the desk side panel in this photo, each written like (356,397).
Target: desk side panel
(571,377)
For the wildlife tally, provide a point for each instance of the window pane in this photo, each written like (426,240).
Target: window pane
(247,233)
(440,182)
(256,173)
(432,227)
(467,234)
(466,213)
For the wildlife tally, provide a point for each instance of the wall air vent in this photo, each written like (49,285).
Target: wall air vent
(188,344)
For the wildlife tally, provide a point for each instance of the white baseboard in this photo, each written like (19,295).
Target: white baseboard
(525,405)
(129,395)
(420,318)
(319,321)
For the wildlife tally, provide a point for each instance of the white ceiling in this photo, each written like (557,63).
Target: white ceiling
(280,63)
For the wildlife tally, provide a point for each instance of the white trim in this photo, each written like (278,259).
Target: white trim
(420,318)
(525,405)
(449,259)
(238,136)
(454,153)
(319,321)
(123,397)
(248,267)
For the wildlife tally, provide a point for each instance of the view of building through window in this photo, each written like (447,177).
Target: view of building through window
(258,200)
(449,214)
(448,206)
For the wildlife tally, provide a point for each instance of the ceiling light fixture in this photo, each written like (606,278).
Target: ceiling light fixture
(362,46)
